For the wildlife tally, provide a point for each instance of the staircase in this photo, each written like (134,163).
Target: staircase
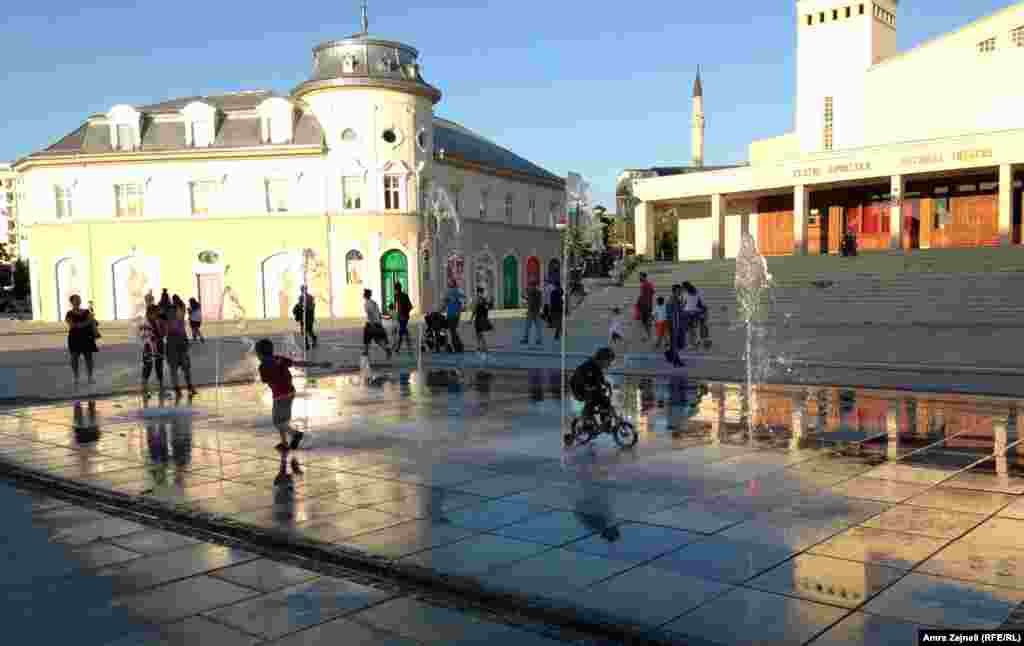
(929,287)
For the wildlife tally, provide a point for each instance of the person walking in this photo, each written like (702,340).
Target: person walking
(661,324)
(176,347)
(305,314)
(556,308)
(81,337)
(373,331)
(693,305)
(534,300)
(151,334)
(481,320)
(403,311)
(455,302)
(645,305)
(195,319)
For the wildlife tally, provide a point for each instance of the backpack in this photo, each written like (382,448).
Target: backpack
(576,385)
(556,299)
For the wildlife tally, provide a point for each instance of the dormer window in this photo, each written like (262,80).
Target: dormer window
(275,121)
(200,120)
(125,122)
(987,46)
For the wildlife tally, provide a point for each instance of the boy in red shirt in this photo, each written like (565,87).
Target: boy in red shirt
(274,371)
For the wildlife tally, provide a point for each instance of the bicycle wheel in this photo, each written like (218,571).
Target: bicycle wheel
(581,434)
(625,435)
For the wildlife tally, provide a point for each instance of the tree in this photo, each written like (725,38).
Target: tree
(21,279)
(574,241)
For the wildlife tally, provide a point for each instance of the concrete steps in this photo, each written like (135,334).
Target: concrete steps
(946,287)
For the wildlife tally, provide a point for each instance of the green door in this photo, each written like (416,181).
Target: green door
(510,274)
(393,269)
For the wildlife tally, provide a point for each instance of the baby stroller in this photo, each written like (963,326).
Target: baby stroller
(435,337)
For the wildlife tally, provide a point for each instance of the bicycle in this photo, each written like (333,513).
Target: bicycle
(608,420)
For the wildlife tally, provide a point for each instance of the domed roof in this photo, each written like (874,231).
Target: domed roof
(362,60)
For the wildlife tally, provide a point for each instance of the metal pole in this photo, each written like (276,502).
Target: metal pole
(565,246)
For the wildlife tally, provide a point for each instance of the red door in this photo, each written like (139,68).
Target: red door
(211,293)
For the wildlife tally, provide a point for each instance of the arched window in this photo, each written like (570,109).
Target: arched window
(349,136)
(354,268)
(509,200)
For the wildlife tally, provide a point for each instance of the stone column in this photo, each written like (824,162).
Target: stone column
(801,211)
(644,222)
(896,212)
(1005,205)
(718,205)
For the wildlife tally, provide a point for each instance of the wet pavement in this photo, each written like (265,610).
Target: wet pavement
(809,514)
(76,575)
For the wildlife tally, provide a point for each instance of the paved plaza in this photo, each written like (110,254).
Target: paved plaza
(846,517)
(87,577)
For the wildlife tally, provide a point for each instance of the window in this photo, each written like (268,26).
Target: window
(835,14)
(204,194)
(349,136)
(554,214)
(828,123)
(391,193)
(849,11)
(389,136)
(533,211)
(987,45)
(277,195)
(423,140)
(352,189)
(128,200)
(125,137)
(354,268)
(483,204)
(509,200)
(810,20)
(202,133)
(1017,37)
(821,17)
(862,9)
(63,200)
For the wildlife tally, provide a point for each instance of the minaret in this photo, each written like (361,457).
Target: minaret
(697,136)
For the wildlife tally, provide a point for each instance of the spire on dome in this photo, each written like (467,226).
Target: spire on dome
(366,20)
(698,89)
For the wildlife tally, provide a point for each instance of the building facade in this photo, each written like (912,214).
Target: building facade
(876,149)
(9,212)
(350,182)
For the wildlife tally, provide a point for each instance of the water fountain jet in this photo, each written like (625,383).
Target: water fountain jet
(752,282)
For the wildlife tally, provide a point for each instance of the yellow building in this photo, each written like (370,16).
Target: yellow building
(349,183)
(9,211)
(903,150)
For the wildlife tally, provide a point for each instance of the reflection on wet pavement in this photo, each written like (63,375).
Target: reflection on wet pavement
(896,507)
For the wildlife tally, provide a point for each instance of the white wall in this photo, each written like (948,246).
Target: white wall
(946,87)
(473,183)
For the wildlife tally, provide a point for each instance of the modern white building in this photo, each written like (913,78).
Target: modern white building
(907,150)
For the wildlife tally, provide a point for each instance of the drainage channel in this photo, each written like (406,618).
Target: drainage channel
(558,621)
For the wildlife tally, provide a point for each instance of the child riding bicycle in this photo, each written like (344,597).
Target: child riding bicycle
(589,386)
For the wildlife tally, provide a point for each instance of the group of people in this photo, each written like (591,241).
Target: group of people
(162,331)
(678,323)
(547,306)
(164,337)
(374,330)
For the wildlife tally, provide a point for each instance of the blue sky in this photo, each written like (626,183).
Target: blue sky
(573,85)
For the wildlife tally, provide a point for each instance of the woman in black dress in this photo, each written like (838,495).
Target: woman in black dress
(81,337)
(481,319)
